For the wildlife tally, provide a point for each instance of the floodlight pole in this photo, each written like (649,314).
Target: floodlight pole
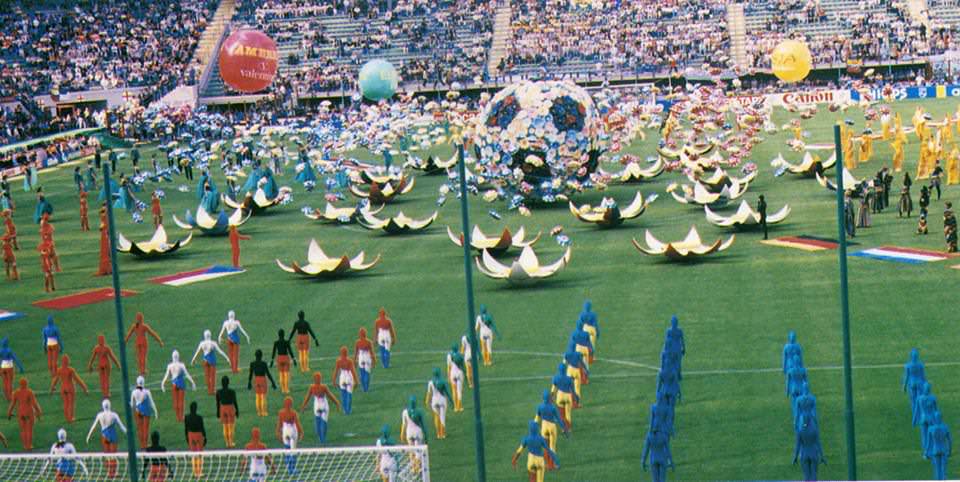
(845,311)
(471,328)
(131,439)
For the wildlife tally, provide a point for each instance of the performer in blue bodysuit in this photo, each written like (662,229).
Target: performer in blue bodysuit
(808,450)
(582,341)
(590,324)
(939,449)
(805,405)
(8,359)
(914,376)
(796,376)
(925,413)
(790,350)
(656,449)
(668,386)
(674,342)
(539,455)
(549,418)
(52,344)
(661,417)
(576,368)
(43,207)
(564,394)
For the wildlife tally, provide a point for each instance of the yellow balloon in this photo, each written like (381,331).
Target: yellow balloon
(791,61)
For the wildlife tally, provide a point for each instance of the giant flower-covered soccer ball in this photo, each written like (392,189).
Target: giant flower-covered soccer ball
(538,140)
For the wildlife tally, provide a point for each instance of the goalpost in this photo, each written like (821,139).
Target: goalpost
(400,463)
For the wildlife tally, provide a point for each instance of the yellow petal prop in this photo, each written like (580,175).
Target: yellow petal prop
(745,216)
(524,269)
(807,166)
(496,245)
(850,183)
(608,217)
(398,224)
(333,214)
(699,194)
(689,248)
(257,202)
(319,265)
(383,193)
(632,172)
(157,246)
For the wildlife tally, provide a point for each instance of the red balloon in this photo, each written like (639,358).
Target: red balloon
(248,61)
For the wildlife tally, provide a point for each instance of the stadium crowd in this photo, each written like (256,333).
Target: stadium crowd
(429,42)
(645,35)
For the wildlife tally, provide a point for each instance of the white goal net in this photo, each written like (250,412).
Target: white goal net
(393,464)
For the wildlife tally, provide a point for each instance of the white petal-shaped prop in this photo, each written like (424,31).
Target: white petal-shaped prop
(850,183)
(157,246)
(209,225)
(525,268)
(497,245)
(384,193)
(319,265)
(699,194)
(632,172)
(745,216)
(690,247)
(607,215)
(807,167)
(256,202)
(334,214)
(397,224)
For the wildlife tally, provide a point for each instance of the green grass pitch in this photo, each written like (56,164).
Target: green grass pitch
(734,421)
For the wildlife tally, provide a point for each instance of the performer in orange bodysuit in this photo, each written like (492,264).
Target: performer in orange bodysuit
(28,412)
(289,431)
(46,236)
(9,259)
(235,238)
(66,376)
(46,265)
(364,358)
(345,376)
(8,360)
(142,329)
(258,465)
(11,229)
(103,355)
(156,210)
(321,396)
(84,209)
(386,336)
(104,268)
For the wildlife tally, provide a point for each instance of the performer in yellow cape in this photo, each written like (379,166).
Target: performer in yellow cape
(946,131)
(846,139)
(866,146)
(897,145)
(898,129)
(953,166)
(797,131)
(886,120)
(919,121)
(928,157)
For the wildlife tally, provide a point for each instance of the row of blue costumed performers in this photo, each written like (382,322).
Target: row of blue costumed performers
(656,446)
(808,451)
(565,394)
(935,440)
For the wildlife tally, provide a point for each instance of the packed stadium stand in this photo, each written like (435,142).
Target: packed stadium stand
(58,47)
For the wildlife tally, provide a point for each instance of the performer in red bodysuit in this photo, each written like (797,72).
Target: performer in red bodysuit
(66,376)
(103,355)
